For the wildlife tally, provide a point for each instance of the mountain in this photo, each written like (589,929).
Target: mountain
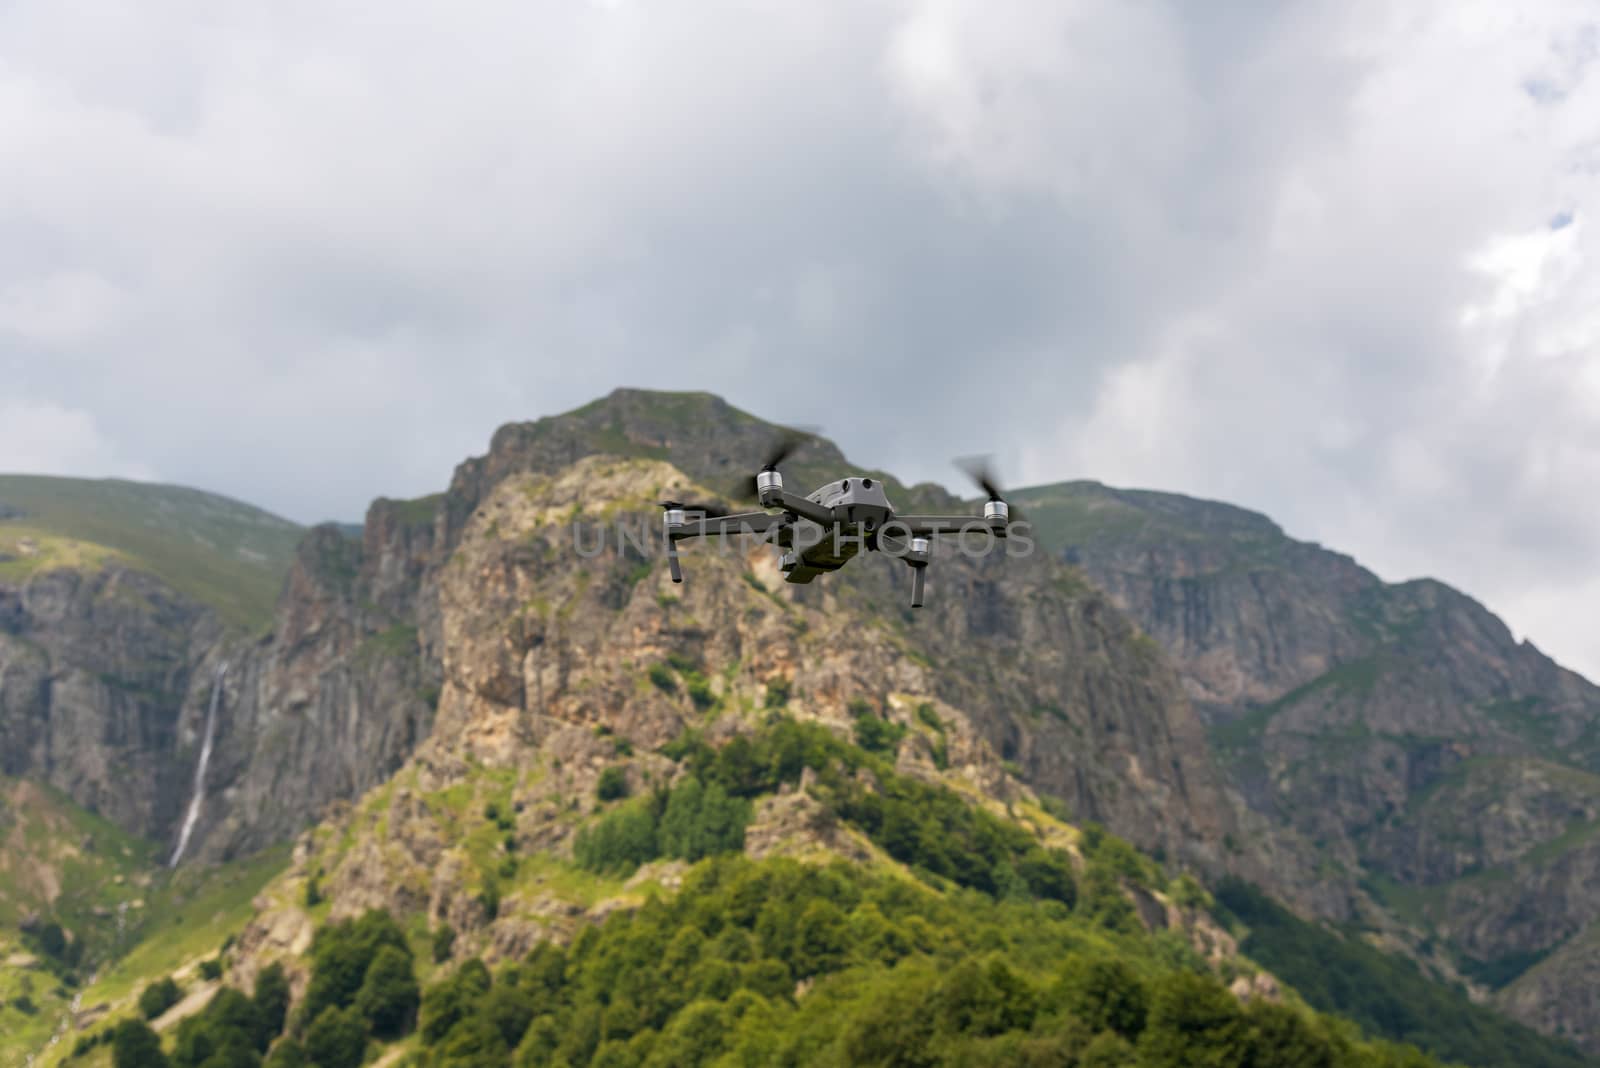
(1452,770)
(438,707)
(114,598)
(213,550)
(673,823)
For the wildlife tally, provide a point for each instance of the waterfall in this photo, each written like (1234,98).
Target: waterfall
(193,815)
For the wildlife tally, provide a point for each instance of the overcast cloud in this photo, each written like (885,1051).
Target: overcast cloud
(1333,261)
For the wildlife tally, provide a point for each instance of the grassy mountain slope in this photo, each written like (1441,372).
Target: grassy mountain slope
(88,915)
(874,918)
(218,551)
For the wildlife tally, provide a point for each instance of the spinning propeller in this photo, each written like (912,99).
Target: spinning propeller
(981,470)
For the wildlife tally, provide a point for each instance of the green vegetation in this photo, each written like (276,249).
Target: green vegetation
(68,868)
(134,1045)
(613,784)
(1357,677)
(1068,514)
(784,963)
(189,915)
(219,551)
(396,641)
(661,678)
(778,693)
(1387,995)
(158,997)
(690,821)
(444,943)
(874,733)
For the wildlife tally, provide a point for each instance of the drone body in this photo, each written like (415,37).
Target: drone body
(829,527)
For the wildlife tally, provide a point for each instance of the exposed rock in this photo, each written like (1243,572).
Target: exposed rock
(1400,729)
(94,670)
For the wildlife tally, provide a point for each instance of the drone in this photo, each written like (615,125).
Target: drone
(833,524)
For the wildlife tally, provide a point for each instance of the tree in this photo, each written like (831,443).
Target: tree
(389,995)
(984,1000)
(158,997)
(52,940)
(701,820)
(287,1054)
(1105,994)
(452,1000)
(337,1038)
(227,1033)
(272,999)
(1280,1035)
(474,1042)
(623,839)
(510,1010)
(134,1045)
(1194,1023)
(341,955)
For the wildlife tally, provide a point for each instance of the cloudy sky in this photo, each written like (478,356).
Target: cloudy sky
(1333,261)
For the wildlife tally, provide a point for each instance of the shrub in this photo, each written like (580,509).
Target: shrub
(211,970)
(877,734)
(613,784)
(777,693)
(158,997)
(700,690)
(661,678)
(134,1045)
(444,943)
(489,897)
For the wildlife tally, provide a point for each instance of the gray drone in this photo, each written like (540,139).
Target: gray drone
(829,527)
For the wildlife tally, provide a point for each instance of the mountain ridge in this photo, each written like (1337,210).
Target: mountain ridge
(430,623)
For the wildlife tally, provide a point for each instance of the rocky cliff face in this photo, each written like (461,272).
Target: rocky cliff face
(1401,728)
(345,685)
(94,668)
(1050,674)
(556,666)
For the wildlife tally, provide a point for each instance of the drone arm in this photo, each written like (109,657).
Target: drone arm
(679,526)
(714,526)
(777,497)
(926,526)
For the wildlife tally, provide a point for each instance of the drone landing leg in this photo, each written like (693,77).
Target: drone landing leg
(916,586)
(672,561)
